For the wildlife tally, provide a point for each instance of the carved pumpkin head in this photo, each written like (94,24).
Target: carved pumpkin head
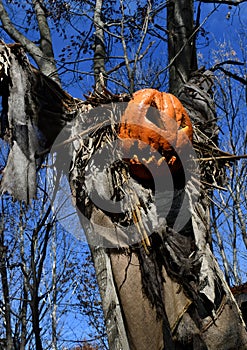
(154,123)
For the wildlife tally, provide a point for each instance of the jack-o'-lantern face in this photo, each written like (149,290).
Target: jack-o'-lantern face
(157,122)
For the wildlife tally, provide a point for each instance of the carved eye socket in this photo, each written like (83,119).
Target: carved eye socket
(153,115)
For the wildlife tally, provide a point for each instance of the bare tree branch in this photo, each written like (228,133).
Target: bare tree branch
(230,157)
(42,56)
(226,2)
(218,66)
(45,38)
(8,26)
(233,75)
(233,62)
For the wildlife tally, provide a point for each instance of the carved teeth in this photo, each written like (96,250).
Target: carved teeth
(172,160)
(150,160)
(135,160)
(161,160)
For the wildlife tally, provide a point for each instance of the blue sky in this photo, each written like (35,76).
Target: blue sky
(225,23)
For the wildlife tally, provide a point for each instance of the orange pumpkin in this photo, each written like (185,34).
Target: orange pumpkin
(154,123)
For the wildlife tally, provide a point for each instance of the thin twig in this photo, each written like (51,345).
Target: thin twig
(213,185)
(227,2)
(230,157)
(121,64)
(71,139)
(200,182)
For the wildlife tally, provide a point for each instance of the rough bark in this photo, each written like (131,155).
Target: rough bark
(6,300)
(181,43)
(116,333)
(99,47)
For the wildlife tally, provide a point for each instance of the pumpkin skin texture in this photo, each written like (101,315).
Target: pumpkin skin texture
(155,124)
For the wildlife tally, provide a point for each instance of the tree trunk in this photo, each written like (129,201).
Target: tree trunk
(115,328)
(34,291)
(181,43)
(35,321)
(99,47)
(116,333)
(5,288)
